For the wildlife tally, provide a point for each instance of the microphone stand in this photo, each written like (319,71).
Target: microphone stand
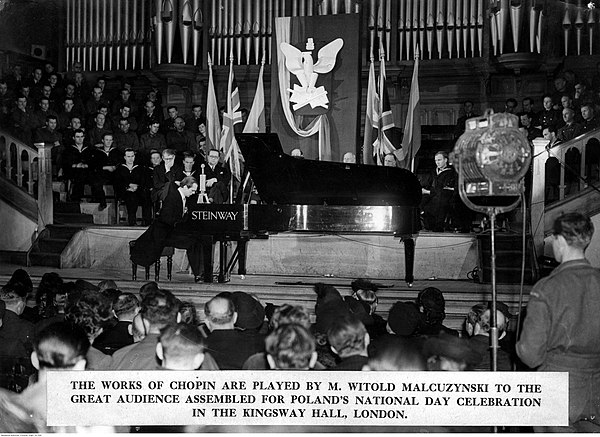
(202,196)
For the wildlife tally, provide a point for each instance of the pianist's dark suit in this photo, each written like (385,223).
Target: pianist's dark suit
(167,230)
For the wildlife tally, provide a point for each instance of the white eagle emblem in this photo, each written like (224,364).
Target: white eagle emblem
(301,64)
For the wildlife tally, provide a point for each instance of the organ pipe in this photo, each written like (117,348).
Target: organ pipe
(515,21)
(430,26)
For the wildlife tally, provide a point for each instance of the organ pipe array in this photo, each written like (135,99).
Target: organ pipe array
(108,34)
(440,28)
(136,34)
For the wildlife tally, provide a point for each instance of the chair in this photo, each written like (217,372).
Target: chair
(167,251)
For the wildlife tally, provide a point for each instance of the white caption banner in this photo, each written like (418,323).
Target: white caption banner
(307,398)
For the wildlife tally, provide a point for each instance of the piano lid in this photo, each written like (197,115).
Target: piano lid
(282,179)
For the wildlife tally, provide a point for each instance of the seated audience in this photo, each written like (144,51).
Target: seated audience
(180,347)
(480,339)
(130,184)
(449,353)
(571,129)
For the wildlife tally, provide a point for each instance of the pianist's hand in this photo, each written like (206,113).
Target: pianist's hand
(425,191)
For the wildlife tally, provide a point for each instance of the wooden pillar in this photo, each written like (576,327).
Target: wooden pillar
(538,189)
(45,201)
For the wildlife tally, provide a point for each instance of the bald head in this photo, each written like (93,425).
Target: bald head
(220,313)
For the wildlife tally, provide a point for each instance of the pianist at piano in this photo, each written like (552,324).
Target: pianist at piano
(164,230)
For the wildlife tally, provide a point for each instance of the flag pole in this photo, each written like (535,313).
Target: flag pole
(230,110)
(412,162)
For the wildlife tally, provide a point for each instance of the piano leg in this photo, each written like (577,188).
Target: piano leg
(241,248)
(223,271)
(409,260)
(207,256)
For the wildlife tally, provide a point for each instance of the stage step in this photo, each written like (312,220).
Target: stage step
(47,259)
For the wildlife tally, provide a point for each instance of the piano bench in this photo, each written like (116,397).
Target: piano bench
(167,251)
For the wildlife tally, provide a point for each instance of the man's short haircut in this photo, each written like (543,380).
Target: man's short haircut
(51,117)
(129,149)
(171,107)
(441,152)
(291,347)
(61,345)
(286,314)
(219,318)
(188,154)
(105,134)
(78,131)
(126,303)
(188,181)
(160,308)
(197,105)
(551,128)
(181,342)
(214,150)
(576,228)
(528,98)
(512,100)
(169,152)
(589,106)
(347,335)
(68,98)
(125,105)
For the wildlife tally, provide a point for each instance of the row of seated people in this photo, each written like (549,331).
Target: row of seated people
(122,331)
(136,182)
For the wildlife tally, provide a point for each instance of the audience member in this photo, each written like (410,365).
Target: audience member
(291,347)
(125,307)
(91,311)
(130,184)
(560,329)
(549,117)
(450,353)
(349,340)
(480,340)
(590,121)
(571,129)
(439,195)
(229,346)
(432,305)
(180,347)
(218,177)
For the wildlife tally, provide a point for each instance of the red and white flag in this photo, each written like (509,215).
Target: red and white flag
(213,124)
(411,141)
(231,117)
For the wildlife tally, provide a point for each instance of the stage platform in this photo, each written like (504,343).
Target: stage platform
(379,256)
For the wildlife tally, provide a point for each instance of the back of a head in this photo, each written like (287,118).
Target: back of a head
(50,285)
(90,310)
(14,296)
(291,347)
(21,278)
(61,346)
(473,317)
(220,310)
(181,343)
(287,313)
(432,301)
(404,318)
(251,313)
(126,304)
(398,354)
(159,308)
(188,313)
(147,288)
(576,228)
(106,284)
(347,335)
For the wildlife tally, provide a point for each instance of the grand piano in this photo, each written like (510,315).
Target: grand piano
(301,195)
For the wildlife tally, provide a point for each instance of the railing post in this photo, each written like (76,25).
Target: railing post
(45,201)
(538,193)
(562,187)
